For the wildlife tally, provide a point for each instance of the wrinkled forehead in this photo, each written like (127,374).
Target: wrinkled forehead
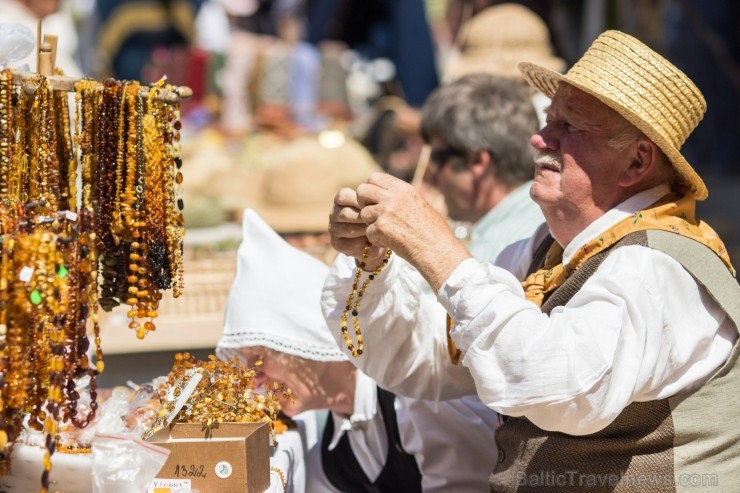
(575,103)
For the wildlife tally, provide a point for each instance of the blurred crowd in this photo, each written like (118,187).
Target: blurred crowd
(343,80)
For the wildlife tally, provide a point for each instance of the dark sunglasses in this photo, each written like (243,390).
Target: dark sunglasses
(440,157)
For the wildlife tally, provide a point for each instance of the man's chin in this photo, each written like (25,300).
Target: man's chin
(541,193)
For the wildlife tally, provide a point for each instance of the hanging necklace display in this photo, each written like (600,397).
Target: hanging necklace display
(90,217)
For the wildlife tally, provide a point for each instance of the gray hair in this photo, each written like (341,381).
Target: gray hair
(480,112)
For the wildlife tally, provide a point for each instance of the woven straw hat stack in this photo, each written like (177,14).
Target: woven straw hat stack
(643,87)
(496,39)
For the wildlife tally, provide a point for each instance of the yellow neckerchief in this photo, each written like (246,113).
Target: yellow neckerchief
(673,213)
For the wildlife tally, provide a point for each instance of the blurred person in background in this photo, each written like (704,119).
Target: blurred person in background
(396,30)
(271,74)
(390,60)
(477,128)
(131,31)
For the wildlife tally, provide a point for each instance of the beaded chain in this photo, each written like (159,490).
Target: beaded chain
(355,298)
(66,163)
(6,130)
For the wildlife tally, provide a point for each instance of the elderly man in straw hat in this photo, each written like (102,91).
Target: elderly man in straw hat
(609,338)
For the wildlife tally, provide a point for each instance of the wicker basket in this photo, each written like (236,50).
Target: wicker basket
(192,321)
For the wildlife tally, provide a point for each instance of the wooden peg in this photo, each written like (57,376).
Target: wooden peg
(52,39)
(46,63)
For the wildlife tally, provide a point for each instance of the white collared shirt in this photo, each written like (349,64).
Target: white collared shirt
(452,441)
(365,431)
(365,428)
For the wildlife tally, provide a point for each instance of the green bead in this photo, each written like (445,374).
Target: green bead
(35,297)
(62,272)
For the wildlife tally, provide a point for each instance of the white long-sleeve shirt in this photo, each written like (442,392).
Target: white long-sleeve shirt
(640,328)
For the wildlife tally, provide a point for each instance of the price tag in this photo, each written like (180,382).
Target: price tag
(26,274)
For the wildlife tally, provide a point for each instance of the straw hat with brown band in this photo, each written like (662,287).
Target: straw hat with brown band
(643,87)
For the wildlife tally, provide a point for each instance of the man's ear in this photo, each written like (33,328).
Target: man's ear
(480,162)
(645,158)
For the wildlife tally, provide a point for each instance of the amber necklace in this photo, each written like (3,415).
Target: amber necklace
(355,298)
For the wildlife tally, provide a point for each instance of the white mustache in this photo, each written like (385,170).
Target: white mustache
(548,161)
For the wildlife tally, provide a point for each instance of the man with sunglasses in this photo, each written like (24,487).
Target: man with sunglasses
(478,128)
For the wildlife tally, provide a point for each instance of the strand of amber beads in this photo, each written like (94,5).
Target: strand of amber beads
(6,133)
(355,298)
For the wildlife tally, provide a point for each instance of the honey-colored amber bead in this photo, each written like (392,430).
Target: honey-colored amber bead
(132,301)
(50,425)
(100,366)
(152,314)
(149,326)
(140,333)
(132,279)
(133,290)
(3,439)
(134,325)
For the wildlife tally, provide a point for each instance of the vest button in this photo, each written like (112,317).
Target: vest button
(501,455)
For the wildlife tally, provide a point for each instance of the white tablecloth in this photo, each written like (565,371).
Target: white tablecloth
(73,473)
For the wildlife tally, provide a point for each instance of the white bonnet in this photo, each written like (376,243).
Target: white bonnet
(275,299)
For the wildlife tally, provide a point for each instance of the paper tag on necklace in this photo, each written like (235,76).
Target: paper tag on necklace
(26,274)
